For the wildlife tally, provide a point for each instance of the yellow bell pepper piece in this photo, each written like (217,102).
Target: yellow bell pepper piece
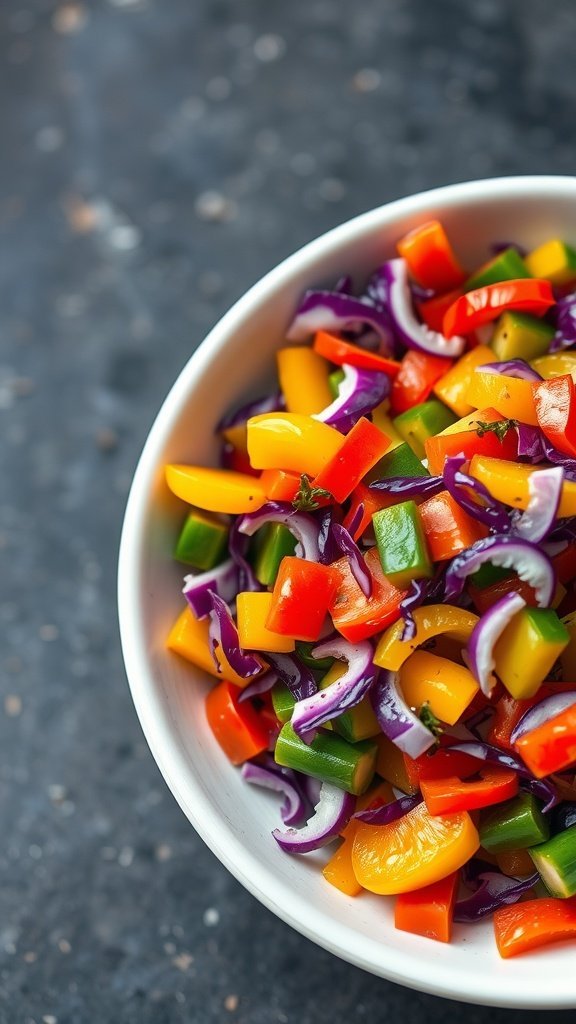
(391,766)
(511,397)
(339,871)
(237,436)
(290,440)
(447,687)
(554,261)
(510,482)
(217,490)
(568,656)
(303,376)
(527,649)
(453,387)
(556,365)
(252,610)
(381,419)
(189,638)
(432,620)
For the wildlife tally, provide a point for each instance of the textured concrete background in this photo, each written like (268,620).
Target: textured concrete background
(157,157)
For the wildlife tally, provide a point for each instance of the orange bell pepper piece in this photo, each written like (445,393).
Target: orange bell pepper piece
(363,447)
(432,311)
(356,616)
(526,926)
(447,527)
(237,727)
(430,257)
(482,305)
(428,911)
(467,437)
(453,387)
(555,402)
(449,795)
(551,747)
(280,484)
(341,352)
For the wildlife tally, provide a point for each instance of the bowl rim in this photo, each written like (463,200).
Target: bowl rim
(414,971)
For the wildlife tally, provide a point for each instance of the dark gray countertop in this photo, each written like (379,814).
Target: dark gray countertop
(157,158)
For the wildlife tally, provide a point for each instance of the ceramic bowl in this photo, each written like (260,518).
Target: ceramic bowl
(236,362)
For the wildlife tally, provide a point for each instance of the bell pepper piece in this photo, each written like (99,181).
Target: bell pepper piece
(508,711)
(202,541)
(535,923)
(555,861)
(271,544)
(554,261)
(319,666)
(428,911)
(371,502)
(430,257)
(282,701)
(447,796)
(412,852)
(217,490)
(341,352)
(527,649)
(328,757)
(381,419)
(431,621)
(519,336)
(399,461)
(508,265)
(512,397)
(280,485)
(486,597)
(510,482)
(339,871)
(356,616)
(483,305)
(252,610)
(515,863)
(447,527)
(551,747)
(360,722)
(401,544)
(515,825)
(453,387)
(284,440)
(237,727)
(391,766)
(422,421)
(237,461)
(189,638)
(236,437)
(415,379)
(446,687)
(557,364)
(555,402)
(432,311)
(440,763)
(568,656)
(302,594)
(363,447)
(335,379)
(303,376)
(469,437)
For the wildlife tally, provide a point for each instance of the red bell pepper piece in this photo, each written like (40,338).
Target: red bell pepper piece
(448,796)
(280,484)
(439,765)
(415,379)
(363,446)
(237,727)
(428,911)
(481,306)
(508,712)
(526,926)
(486,597)
(471,440)
(355,616)
(340,352)
(430,257)
(302,594)
(432,310)
(551,747)
(555,402)
(447,527)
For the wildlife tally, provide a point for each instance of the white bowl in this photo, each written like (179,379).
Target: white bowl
(233,818)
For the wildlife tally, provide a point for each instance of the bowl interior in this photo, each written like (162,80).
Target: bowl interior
(236,362)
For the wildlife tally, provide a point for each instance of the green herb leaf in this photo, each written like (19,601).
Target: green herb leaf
(498,427)
(428,718)
(306,499)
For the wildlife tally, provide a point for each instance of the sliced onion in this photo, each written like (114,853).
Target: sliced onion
(493,513)
(397,721)
(269,776)
(223,580)
(542,712)
(334,311)
(530,446)
(517,368)
(262,684)
(530,563)
(343,693)
(294,674)
(327,546)
(389,812)
(565,311)
(494,890)
(331,814)
(223,633)
(486,633)
(541,788)
(302,525)
(545,492)
(409,486)
(237,547)
(416,595)
(358,394)
(271,403)
(350,549)
(409,330)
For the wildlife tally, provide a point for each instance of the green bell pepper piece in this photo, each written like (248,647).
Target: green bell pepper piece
(203,540)
(328,757)
(506,266)
(555,862)
(334,381)
(421,422)
(304,654)
(271,543)
(401,544)
(400,461)
(487,575)
(520,336)
(513,825)
(282,701)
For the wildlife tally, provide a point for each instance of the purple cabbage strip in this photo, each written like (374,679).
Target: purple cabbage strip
(349,548)
(262,684)
(416,595)
(223,632)
(223,580)
(392,278)
(527,559)
(271,403)
(565,314)
(344,285)
(486,633)
(396,720)
(493,514)
(301,524)
(560,459)
(494,890)
(409,486)
(270,776)
(389,812)
(294,674)
(328,549)
(517,368)
(356,519)
(539,517)
(358,394)
(335,312)
(530,445)
(331,814)
(344,693)
(237,547)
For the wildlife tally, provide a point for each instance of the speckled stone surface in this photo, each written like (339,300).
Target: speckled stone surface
(157,158)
